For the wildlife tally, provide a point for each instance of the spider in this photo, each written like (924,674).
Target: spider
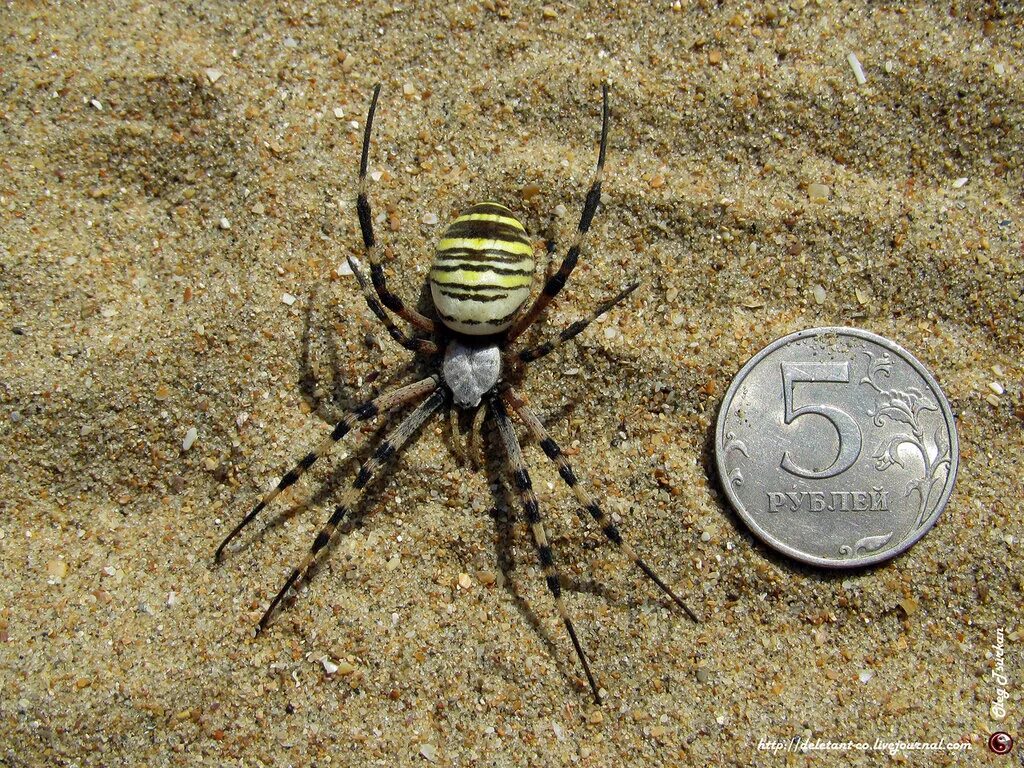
(480,280)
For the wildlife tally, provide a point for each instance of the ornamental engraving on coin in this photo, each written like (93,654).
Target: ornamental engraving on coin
(836,447)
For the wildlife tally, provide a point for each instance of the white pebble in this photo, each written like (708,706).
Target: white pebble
(610,332)
(96,104)
(858,70)
(329,666)
(339,112)
(190,438)
(224,223)
(213,75)
(288,299)
(960,182)
(429,751)
(865,675)
(560,210)
(818,192)
(996,387)
(819,294)
(376,175)
(172,599)
(344,269)
(430,219)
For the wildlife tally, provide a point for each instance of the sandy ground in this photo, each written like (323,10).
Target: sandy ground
(174,175)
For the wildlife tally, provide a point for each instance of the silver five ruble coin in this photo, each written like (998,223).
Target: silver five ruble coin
(836,447)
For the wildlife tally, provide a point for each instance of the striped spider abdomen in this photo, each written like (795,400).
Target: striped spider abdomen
(482,271)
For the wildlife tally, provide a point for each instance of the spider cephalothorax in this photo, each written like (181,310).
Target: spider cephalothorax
(480,281)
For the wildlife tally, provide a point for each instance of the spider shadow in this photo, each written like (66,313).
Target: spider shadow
(331,408)
(504,502)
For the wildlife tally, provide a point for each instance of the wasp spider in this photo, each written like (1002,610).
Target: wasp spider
(480,281)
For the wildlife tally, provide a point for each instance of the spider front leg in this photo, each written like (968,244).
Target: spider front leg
(575,329)
(554,284)
(370,245)
(568,475)
(412,343)
(528,499)
(368,410)
(388,447)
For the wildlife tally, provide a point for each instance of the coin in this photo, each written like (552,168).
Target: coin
(836,447)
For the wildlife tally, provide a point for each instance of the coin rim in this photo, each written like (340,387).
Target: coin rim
(786,549)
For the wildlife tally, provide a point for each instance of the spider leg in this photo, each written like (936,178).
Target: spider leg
(571,332)
(565,470)
(556,282)
(388,447)
(411,343)
(458,445)
(476,451)
(372,248)
(528,499)
(381,404)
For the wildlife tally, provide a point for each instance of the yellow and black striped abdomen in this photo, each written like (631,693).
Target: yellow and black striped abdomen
(482,271)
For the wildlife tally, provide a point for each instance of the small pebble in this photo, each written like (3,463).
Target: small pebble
(430,219)
(818,193)
(705,537)
(190,438)
(339,112)
(858,70)
(56,569)
(96,104)
(530,191)
(213,75)
(288,299)
(865,675)
(909,605)
(819,294)
(224,223)
(429,751)
(996,387)
(960,182)
(329,666)
(465,581)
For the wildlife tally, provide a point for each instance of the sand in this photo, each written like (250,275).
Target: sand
(177,199)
